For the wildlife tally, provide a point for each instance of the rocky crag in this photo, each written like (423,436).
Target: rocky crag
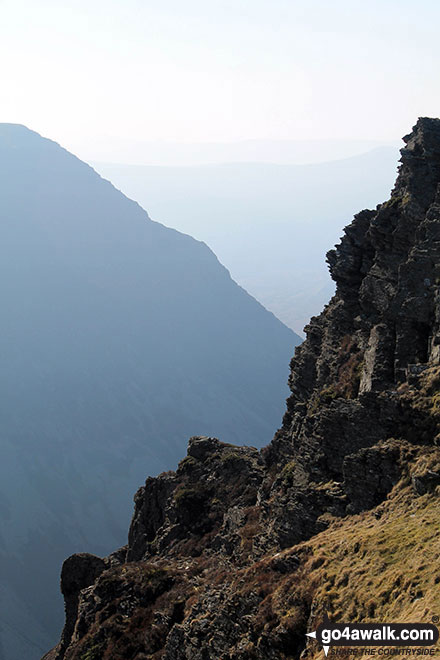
(239,552)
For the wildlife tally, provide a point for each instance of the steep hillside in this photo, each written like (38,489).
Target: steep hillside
(237,554)
(119,338)
(270,224)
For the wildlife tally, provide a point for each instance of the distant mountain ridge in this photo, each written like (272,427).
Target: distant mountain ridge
(169,153)
(269,223)
(119,337)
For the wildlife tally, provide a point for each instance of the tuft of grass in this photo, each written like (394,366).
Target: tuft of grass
(393,203)
(187,463)
(231,457)
(94,652)
(187,496)
(287,473)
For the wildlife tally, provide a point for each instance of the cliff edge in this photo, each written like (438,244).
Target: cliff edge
(239,552)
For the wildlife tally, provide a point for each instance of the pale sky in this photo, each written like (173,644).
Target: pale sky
(90,71)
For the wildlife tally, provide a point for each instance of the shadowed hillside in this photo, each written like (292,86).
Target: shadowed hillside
(119,338)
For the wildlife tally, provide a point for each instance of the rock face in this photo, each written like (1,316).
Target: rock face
(224,554)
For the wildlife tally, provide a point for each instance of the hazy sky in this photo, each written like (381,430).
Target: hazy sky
(218,70)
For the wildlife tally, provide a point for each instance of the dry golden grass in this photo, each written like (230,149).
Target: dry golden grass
(382,565)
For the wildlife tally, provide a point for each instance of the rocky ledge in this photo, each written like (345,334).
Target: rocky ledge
(237,553)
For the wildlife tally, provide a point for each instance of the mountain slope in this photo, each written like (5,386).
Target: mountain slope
(280,219)
(239,553)
(119,337)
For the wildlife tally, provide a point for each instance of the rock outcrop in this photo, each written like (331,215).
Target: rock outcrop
(238,552)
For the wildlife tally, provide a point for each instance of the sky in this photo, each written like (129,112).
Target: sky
(114,73)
